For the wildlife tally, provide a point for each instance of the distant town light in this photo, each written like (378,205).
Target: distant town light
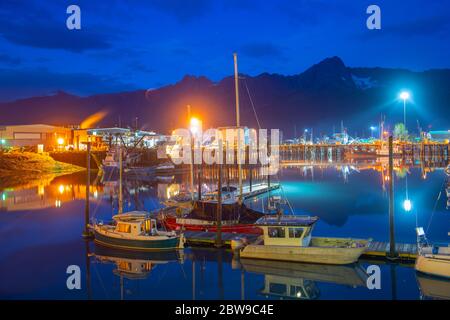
(94,133)
(3,141)
(61,189)
(196,125)
(407,205)
(404,95)
(60,141)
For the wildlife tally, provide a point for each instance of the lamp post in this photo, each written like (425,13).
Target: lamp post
(404,95)
(372,129)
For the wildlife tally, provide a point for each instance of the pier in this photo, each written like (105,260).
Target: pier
(404,251)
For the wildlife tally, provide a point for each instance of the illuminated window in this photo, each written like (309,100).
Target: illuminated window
(122,227)
(276,232)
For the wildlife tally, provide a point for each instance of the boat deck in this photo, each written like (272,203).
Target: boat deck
(405,251)
(258,189)
(208,239)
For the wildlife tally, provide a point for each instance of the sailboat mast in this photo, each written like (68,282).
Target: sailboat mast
(120,180)
(236,83)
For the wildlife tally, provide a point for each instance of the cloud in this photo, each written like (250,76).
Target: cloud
(29,25)
(9,60)
(184,11)
(23,83)
(261,50)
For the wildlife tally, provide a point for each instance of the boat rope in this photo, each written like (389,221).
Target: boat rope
(435,205)
(253,105)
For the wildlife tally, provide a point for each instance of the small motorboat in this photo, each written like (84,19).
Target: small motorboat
(288,238)
(432,259)
(136,231)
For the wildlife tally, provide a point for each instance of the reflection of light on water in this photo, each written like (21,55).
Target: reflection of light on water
(41,190)
(4,196)
(96,194)
(407,205)
(58,203)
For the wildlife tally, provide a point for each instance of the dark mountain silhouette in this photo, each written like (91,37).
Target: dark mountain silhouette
(319,97)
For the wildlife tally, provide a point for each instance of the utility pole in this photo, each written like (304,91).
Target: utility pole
(86,232)
(236,83)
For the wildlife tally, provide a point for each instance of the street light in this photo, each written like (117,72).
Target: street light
(404,95)
(372,129)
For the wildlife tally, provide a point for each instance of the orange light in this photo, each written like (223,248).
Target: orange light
(60,141)
(196,125)
(61,189)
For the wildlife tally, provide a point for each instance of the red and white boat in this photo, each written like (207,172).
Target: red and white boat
(236,218)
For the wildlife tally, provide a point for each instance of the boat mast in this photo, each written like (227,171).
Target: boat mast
(120,179)
(236,83)
(191,167)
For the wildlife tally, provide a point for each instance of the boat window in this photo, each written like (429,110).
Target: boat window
(122,227)
(278,288)
(276,232)
(295,232)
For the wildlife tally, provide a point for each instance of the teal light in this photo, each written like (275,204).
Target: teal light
(4,196)
(3,141)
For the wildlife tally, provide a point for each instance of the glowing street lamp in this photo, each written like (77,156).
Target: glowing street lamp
(404,95)
(60,141)
(195,126)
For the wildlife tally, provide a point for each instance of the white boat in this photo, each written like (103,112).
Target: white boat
(288,238)
(111,164)
(432,259)
(447,170)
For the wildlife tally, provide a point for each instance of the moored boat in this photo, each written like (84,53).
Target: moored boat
(136,231)
(432,259)
(236,218)
(288,238)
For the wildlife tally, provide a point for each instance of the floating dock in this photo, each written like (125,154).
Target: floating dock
(258,189)
(405,251)
(208,239)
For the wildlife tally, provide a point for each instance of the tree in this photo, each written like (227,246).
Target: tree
(400,132)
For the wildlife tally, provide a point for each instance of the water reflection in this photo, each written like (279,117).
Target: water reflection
(299,280)
(348,197)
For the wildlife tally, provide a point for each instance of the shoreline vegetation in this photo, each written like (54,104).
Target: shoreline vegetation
(18,168)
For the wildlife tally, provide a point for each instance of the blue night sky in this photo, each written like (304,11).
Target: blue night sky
(127,45)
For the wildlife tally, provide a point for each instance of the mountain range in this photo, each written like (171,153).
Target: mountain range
(320,97)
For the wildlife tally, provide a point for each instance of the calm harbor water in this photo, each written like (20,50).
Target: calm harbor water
(41,225)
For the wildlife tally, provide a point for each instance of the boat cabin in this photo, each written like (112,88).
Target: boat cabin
(135,224)
(287,230)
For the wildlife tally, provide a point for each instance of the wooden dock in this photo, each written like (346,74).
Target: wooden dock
(405,251)
(208,239)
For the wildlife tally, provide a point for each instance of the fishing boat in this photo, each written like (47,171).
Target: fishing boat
(236,218)
(432,259)
(111,163)
(288,238)
(136,231)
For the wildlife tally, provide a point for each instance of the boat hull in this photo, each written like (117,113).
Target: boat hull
(433,266)
(311,254)
(136,245)
(171,224)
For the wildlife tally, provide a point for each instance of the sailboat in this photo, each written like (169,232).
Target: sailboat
(236,217)
(136,230)
(432,259)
